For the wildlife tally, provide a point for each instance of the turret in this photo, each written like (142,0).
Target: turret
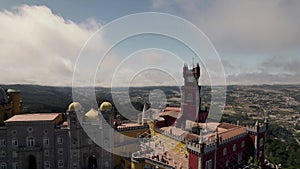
(217,137)
(196,72)
(266,122)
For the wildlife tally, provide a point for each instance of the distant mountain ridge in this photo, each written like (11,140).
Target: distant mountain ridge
(40,99)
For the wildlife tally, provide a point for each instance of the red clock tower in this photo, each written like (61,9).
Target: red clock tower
(191,100)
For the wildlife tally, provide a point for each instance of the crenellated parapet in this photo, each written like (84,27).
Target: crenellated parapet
(234,138)
(129,128)
(209,146)
(258,128)
(171,135)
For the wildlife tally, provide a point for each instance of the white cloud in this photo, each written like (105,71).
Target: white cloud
(39,47)
(241,28)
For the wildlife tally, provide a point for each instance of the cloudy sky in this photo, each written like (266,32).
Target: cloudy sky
(257,41)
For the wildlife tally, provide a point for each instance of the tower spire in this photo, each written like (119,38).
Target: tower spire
(193,62)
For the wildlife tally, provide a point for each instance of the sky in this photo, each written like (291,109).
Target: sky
(257,41)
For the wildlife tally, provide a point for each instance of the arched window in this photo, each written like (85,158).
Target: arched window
(224,151)
(3,165)
(3,154)
(60,163)
(189,97)
(261,142)
(243,144)
(234,147)
(59,140)
(46,164)
(30,142)
(46,141)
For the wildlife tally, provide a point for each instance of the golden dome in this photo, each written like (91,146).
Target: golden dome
(75,106)
(105,106)
(92,115)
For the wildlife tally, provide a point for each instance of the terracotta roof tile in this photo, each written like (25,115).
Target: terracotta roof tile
(178,109)
(229,133)
(171,113)
(33,117)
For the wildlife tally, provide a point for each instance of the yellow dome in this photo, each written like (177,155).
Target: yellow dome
(92,115)
(105,106)
(75,106)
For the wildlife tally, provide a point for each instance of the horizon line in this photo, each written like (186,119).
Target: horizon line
(69,86)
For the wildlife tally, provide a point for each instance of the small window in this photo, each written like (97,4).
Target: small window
(208,164)
(3,154)
(172,145)
(189,97)
(60,151)
(74,165)
(15,166)
(14,154)
(29,129)
(45,131)
(224,151)
(227,163)
(59,140)
(2,142)
(46,141)
(106,164)
(46,164)
(234,147)
(74,154)
(243,144)
(46,152)
(89,141)
(3,166)
(60,163)
(182,149)
(14,142)
(73,122)
(260,153)
(240,157)
(261,142)
(30,142)
(14,132)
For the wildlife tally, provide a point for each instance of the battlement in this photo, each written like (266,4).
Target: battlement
(136,127)
(171,135)
(211,145)
(260,128)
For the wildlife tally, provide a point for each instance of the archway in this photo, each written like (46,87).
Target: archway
(92,162)
(32,162)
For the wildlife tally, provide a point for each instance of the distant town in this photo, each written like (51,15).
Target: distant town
(244,106)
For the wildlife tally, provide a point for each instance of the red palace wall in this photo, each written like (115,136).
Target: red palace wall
(261,148)
(232,156)
(193,161)
(208,156)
